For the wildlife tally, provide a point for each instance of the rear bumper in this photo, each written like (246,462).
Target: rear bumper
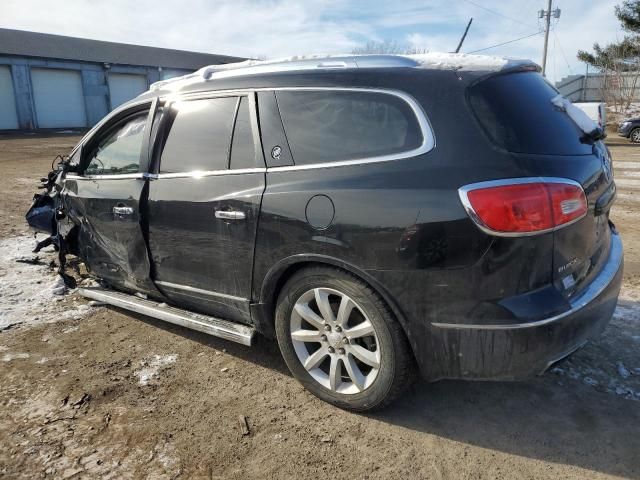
(518,351)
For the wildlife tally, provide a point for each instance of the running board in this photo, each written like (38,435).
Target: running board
(195,321)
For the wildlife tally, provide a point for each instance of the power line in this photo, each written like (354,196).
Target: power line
(506,43)
(497,13)
(562,51)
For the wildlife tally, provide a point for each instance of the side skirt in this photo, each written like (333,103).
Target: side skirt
(203,323)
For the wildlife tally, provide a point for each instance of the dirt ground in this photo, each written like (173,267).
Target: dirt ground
(92,392)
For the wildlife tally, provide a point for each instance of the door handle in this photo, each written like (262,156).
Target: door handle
(121,210)
(230,215)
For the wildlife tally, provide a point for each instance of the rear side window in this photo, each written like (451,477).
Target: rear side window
(516,112)
(328,126)
(200,136)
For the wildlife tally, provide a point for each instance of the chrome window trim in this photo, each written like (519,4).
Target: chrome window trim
(120,176)
(126,106)
(597,286)
(208,173)
(209,293)
(156,176)
(464,199)
(428,136)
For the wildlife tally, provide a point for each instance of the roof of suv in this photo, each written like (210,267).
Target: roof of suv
(428,61)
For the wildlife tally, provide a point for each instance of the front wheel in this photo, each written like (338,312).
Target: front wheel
(635,135)
(340,340)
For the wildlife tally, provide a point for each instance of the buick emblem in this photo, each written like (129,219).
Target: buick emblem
(276,152)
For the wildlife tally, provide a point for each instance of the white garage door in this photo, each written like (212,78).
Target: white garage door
(8,116)
(58,97)
(123,87)
(167,74)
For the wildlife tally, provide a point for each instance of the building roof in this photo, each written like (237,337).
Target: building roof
(34,44)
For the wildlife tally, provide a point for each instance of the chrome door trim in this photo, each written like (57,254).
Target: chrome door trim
(200,291)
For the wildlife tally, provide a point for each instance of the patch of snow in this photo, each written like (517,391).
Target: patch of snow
(622,370)
(466,61)
(597,367)
(579,117)
(7,357)
(28,291)
(151,368)
(590,381)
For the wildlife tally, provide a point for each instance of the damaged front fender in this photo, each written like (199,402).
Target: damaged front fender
(46,213)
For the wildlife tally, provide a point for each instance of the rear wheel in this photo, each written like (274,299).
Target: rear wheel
(340,341)
(635,135)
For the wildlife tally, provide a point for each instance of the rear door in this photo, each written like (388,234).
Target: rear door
(105,200)
(204,205)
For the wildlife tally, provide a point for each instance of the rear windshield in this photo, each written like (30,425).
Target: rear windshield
(515,110)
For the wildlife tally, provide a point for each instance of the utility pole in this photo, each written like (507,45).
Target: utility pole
(546,14)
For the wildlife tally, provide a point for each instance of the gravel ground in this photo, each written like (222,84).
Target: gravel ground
(94,392)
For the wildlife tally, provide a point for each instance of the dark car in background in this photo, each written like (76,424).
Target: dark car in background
(630,129)
(372,213)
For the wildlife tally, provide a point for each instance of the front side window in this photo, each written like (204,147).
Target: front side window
(119,152)
(200,136)
(328,126)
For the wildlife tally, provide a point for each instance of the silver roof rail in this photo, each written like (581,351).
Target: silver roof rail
(453,61)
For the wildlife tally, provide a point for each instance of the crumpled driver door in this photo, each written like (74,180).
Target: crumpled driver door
(106,200)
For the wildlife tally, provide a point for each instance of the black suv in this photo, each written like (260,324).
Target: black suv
(371,213)
(630,129)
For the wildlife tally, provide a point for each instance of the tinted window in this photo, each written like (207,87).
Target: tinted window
(516,112)
(243,153)
(200,135)
(119,151)
(328,126)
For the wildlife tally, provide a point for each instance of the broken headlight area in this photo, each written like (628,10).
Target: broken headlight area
(47,211)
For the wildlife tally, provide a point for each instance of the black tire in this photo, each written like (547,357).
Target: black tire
(634,135)
(395,370)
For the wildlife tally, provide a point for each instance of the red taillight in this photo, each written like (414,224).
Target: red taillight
(524,205)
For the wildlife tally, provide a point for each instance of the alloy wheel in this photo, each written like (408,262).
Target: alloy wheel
(335,341)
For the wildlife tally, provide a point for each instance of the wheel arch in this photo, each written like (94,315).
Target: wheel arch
(279,273)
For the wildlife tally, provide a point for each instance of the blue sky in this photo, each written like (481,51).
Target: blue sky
(278,28)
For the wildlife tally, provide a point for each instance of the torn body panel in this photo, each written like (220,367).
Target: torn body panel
(111,239)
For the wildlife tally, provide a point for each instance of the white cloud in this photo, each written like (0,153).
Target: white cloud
(274,28)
